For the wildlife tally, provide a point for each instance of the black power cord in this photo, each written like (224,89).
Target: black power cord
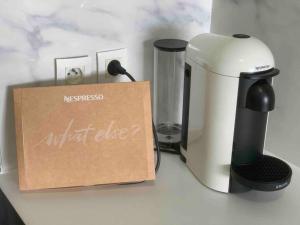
(114,68)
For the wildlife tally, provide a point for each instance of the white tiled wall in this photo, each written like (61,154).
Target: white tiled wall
(34,32)
(277,23)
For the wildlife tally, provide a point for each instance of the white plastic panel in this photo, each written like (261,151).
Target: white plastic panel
(211,126)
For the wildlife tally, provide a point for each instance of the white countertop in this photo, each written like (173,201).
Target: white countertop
(175,198)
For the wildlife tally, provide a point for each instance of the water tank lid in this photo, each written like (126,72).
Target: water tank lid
(171,45)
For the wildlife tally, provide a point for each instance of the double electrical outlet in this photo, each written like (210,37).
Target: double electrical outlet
(78,70)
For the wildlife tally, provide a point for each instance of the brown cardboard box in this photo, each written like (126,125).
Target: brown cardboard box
(83,135)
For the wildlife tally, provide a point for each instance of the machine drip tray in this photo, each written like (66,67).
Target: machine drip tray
(266,174)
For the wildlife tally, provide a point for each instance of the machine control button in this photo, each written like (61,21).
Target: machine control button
(241,36)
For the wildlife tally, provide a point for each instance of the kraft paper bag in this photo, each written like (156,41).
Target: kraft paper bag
(83,135)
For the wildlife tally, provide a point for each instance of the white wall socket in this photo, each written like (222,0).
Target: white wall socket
(104,58)
(72,70)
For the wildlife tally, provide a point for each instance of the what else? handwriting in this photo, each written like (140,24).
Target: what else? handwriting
(83,135)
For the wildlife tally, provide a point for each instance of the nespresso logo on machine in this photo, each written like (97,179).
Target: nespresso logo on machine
(83,98)
(262,67)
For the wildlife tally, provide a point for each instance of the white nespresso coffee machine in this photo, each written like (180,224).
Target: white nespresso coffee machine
(227,96)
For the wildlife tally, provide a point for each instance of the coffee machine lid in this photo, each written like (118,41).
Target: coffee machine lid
(230,55)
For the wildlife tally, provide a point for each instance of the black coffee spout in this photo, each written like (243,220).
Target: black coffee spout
(260,97)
